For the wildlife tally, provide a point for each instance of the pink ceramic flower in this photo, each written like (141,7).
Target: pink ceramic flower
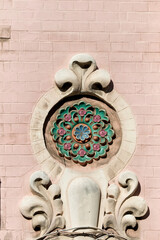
(97,118)
(67,146)
(82,152)
(82,112)
(102,133)
(67,117)
(96,147)
(61,131)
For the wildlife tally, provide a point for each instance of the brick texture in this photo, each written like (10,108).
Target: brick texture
(124,38)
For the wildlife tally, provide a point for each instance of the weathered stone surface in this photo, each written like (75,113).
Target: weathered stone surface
(5,32)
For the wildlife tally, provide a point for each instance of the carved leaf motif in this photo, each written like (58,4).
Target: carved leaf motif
(122,208)
(98,80)
(82,75)
(66,80)
(45,206)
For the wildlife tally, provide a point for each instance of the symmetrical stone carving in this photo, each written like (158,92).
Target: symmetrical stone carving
(45,206)
(82,133)
(83,79)
(83,76)
(83,120)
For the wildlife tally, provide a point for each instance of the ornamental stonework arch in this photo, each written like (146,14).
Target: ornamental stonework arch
(80,79)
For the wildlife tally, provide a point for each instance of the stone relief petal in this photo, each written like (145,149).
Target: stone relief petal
(67,81)
(82,65)
(136,205)
(98,80)
(113,191)
(128,221)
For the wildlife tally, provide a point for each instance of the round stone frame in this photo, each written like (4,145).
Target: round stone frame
(93,81)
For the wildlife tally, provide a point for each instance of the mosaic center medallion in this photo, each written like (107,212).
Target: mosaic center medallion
(82,133)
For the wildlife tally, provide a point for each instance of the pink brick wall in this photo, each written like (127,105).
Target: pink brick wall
(124,37)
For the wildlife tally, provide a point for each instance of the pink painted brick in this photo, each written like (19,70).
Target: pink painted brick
(111,6)
(21,108)
(152,183)
(13,223)
(78,15)
(65,5)
(137,16)
(90,46)
(154,6)
(103,46)
(22,4)
(18,160)
(61,47)
(45,15)
(2,171)
(143,67)
(48,4)
(141,46)
(15,182)
(152,193)
(153,161)
(152,100)
(80,26)
(13,138)
(77,47)
(141,27)
(97,26)
(96,5)
(80,5)
(24,26)
(107,16)
(154,47)
(46,46)
(50,26)
(15,172)
(94,37)
(126,6)
(112,27)
(62,36)
(31,46)
(148,235)
(125,37)
(126,57)
(127,27)
(35,56)
(150,37)
(157,172)
(140,6)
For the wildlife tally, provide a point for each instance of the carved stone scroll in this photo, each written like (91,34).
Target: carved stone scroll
(122,207)
(45,207)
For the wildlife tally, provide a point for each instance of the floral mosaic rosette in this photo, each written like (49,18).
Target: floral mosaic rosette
(82,133)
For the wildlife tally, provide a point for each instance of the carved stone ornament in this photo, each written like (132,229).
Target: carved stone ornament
(83,134)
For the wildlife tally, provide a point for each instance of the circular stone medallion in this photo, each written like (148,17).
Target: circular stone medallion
(82,133)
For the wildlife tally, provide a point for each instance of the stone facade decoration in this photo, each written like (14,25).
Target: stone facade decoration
(83,134)
(5,32)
